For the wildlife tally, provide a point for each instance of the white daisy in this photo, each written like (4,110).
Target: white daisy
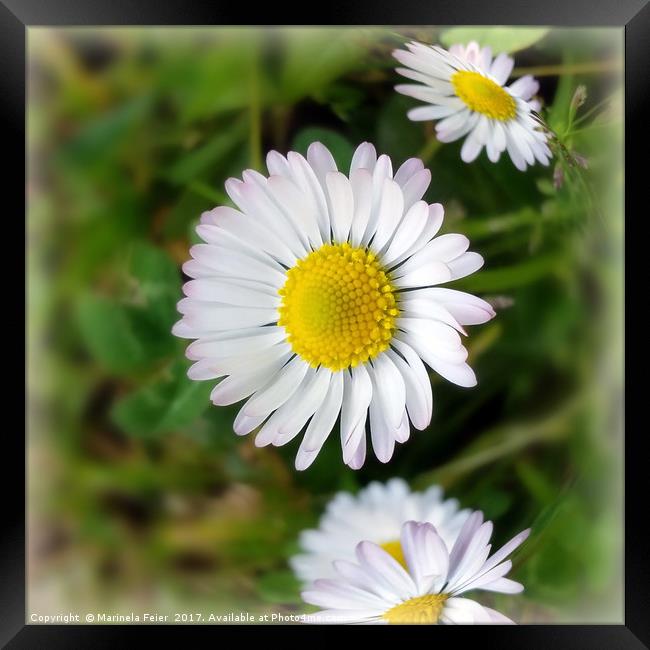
(375,514)
(318,298)
(426,588)
(465,89)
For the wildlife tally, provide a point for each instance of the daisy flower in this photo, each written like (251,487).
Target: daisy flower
(376,513)
(426,586)
(317,298)
(465,89)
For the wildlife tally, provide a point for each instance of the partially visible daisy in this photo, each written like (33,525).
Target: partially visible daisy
(376,514)
(465,88)
(318,297)
(427,588)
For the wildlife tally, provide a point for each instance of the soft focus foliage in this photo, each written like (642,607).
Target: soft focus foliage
(140,493)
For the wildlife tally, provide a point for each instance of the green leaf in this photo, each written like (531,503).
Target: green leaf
(500,39)
(215,81)
(120,337)
(558,113)
(315,57)
(105,132)
(158,282)
(195,163)
(396,135)
(509,277)
(341,149)
(279,587)
(170,402)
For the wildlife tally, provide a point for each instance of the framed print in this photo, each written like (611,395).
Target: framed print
(325,323)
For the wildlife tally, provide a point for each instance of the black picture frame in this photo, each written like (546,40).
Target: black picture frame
(16,16)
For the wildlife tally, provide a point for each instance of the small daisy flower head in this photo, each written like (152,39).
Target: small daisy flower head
(376,514)
(318,297)
(465,89)
(427,588)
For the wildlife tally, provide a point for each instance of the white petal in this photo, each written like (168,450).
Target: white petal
(424,276)
(244,425)
(385,569)
(305,177)
(439,335)
(325,417)
(456,125)
(358,456)
(300,207)
(230,294)
(339,594)
(403,432)
(279,390)
(504,586)
(485,58)
(502,67)
(407,232)
(389,387)
(311,399)
(236,387)
(321,161)
(465,611)
(418,304)
(417,403)
(350,444)
(440,249)
(355,575)
(383,170)
(365,157)
(419,371)
(406,171)
(390,214)
(204,369)
(506,550)
(434,67)
(471,148)
(414,75)
(382,434)
(465,536)
(483,579)
(473,557)
(457,373)
(341,201)
(464,307)
(514,152)
(213,317)
(464,265)
(254,232)
(431,227)
(415,187)
(425,554)
(357,393)
(253,340)
(233,264)
(525,87)
(277,164)
(361,182)
(255,202)
(241,363)
(270,432)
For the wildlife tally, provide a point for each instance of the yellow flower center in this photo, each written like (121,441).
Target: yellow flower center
(424,610)
(394,549)
(338,307)
(484,95)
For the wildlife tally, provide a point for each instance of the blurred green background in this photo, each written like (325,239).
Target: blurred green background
(140,495)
